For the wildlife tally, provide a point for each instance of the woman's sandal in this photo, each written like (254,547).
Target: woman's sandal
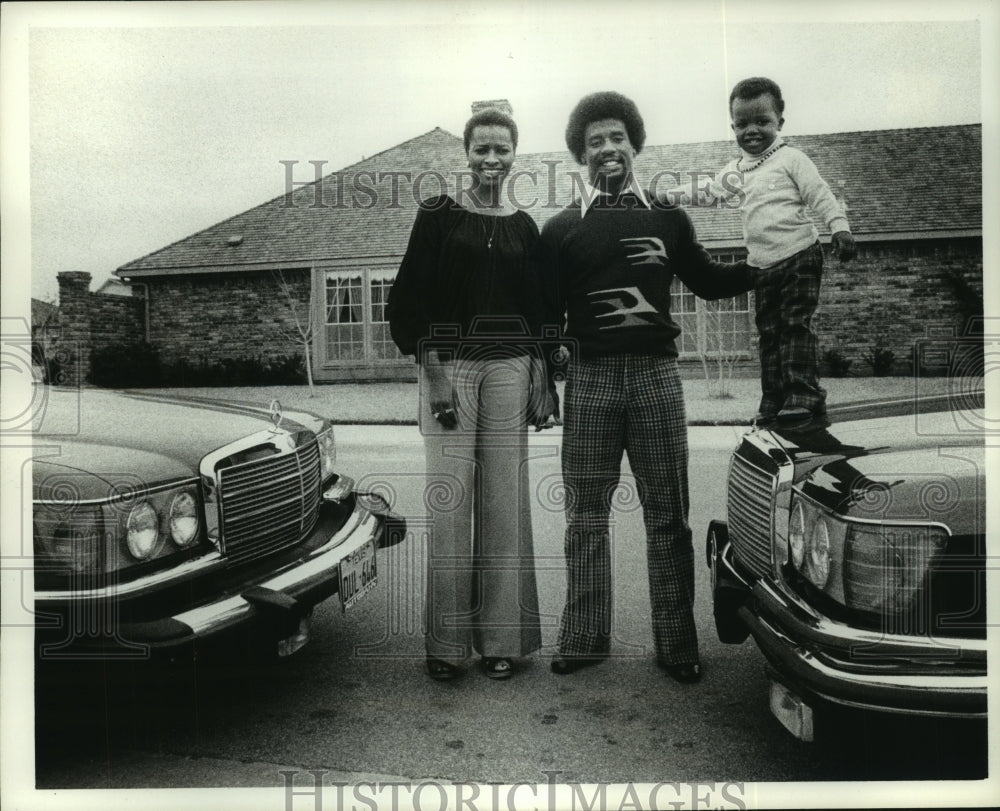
(440,670)
(498,667)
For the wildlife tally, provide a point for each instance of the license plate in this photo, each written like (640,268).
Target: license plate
(358,574)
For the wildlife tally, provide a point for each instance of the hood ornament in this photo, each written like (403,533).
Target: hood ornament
(275,411)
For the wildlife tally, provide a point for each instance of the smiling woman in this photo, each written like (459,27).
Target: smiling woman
(465,305)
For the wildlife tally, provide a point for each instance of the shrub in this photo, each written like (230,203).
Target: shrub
(130,366)
(138,365)
(836,363)
(881,360)
(968,298)
(246,371)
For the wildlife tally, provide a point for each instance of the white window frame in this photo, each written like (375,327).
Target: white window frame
(701,317)
(368,276)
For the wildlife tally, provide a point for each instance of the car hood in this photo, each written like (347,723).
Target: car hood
(875,428)
(915,466)
(133,437)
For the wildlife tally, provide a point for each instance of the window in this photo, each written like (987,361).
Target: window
(344,325)
(684,311)
(715,328)
(380,284)
(356,325)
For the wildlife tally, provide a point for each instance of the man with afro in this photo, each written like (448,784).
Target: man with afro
(607,261)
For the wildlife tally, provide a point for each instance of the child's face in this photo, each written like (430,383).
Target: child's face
(755,123)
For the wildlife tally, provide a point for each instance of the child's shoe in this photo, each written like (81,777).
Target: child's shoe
(794,414)
(764,418)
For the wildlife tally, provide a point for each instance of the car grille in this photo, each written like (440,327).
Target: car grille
(270,503)
(750,506)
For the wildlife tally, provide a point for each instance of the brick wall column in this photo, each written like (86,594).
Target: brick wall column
(74,324)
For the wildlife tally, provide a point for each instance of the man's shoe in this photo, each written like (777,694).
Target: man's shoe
(685,674)
(498,667)
(564,665)
(440,670)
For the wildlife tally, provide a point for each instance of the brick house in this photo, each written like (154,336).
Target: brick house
(332,244)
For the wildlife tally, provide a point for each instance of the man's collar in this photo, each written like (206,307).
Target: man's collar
(590,193)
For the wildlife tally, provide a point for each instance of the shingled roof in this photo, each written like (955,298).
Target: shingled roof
(905,183)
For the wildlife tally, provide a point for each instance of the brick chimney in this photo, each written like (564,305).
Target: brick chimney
(500,104)
(73,346)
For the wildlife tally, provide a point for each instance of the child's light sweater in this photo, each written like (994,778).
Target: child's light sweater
(776,193)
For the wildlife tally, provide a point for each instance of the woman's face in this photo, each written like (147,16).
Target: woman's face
(491,153)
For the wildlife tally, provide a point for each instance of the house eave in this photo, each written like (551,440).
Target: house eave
(729,243)
(250,267)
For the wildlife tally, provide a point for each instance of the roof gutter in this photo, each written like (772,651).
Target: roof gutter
(886,236)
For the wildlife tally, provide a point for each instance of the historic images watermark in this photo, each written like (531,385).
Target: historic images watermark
(306,790)
(553,187)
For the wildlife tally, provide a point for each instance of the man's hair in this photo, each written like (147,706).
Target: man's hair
(489,117)
(599,107)
(758,86)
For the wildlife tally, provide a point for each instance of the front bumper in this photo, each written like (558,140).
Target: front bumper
(265,605)
(828,662)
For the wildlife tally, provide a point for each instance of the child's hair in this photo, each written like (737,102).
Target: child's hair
(598,107)
(758,86)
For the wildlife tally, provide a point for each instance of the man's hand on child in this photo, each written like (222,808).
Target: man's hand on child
(844,245)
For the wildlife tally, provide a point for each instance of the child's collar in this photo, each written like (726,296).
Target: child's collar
(748,162)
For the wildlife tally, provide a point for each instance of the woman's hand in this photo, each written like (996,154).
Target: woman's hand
(543,400)
(547,414)
(440,394)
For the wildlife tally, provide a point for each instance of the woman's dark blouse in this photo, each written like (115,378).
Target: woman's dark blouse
(452,280)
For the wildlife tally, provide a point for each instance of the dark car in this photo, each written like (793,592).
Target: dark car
(170,529)
(854,554)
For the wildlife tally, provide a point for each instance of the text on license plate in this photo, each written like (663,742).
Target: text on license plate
(358,574)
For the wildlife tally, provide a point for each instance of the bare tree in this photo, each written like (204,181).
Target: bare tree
(302,334)
(45,333)
(717,346)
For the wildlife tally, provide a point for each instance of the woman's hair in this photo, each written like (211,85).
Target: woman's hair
(758,86)
(488,117)
(598,107)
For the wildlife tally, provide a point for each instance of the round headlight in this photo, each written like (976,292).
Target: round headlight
(797,535)
(819,554)
(183,519)
(142,531)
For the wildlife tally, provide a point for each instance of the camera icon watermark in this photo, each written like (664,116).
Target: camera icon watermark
(496,375)
(950,371)
(37,370)
(76,524)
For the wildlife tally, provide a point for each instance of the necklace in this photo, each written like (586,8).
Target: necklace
(489,236)
(759,160)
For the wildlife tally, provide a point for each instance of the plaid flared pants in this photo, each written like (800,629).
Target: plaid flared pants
(786,298)
(632,404)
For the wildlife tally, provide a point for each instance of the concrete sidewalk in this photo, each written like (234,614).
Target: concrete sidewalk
(396,403)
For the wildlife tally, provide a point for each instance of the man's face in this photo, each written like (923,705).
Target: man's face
(608,153)
(755,123)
